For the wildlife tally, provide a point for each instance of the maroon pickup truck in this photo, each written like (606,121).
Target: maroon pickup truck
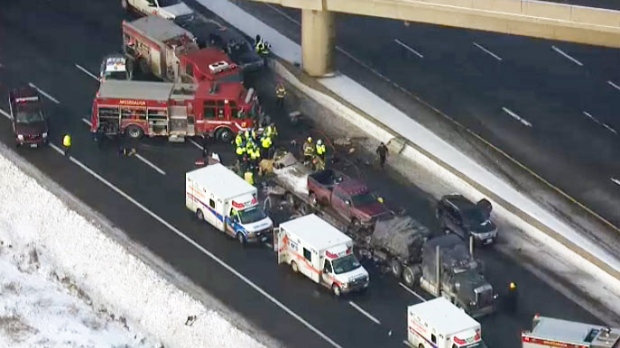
(350,198)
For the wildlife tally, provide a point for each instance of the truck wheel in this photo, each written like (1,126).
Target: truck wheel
(199,215)
(224,135)
(421,346)
(409,277)
(241,238)
(134,132)
(294,267)
(336,290)
(396,268)
(313,200)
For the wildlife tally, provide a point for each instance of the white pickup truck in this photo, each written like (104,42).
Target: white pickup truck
(169,9)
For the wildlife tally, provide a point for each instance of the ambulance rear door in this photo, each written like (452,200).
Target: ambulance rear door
(281,245)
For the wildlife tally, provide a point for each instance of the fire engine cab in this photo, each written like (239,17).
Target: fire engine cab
(175,110)
(171,53)
(322,253)
(550,332)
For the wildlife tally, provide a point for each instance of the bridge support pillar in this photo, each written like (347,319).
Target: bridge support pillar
(317,42)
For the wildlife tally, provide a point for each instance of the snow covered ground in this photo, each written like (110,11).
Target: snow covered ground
(64,283)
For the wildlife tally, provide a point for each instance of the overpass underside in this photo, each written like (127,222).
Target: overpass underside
(585,25)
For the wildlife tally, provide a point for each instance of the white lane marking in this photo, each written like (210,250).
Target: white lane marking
(517,117)
(361,310)
(412,292)
(5,114)
(269,245)
(609,128)
(615,181)
(487,51)
(195,143)
(283,14)
(85,71)
(45,94)
(567,56)
(613,85)
(138,156)
(403,45)
(200,248)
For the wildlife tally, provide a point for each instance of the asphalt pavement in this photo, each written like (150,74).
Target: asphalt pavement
(552,106)
(47,43)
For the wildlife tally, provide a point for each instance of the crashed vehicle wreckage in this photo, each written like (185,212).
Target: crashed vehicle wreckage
(443,266)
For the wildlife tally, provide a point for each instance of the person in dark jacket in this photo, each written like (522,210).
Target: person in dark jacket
(511,298)
(382,152)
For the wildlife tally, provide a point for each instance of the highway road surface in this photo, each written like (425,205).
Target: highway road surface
(552,106)
(57,46)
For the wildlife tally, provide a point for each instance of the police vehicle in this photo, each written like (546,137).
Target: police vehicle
(115,67)
(169,9)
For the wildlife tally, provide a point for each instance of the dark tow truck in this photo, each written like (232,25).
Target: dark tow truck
(29,122)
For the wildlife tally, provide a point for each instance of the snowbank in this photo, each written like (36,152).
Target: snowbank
(32,218)
(39,309)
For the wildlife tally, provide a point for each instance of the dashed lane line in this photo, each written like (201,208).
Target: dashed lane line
(195,143)
(408,48)
(567,56)
(412,292)
(517,117)
(365,313)
(138,156)
(612,84)
(201,249)
(5,114)
(468,131)
(487,51)
(603,124)
(615,181)
(85,71)
(45,94)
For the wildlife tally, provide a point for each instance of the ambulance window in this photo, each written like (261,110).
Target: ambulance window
(212,204)
(307,254)
(433,338)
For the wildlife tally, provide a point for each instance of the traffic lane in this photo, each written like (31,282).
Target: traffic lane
(497,113)
(56,36)
(184,258)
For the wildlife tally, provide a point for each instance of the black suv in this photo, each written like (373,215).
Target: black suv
(458,215)
(29,122)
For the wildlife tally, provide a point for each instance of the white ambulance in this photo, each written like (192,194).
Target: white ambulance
(322,253)
(219,196)
(440,324)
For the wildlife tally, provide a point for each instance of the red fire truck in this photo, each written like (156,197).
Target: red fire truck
(175,110)
(556,333)
(164,49)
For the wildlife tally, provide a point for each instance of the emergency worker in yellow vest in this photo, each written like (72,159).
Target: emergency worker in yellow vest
(239,140)
(280,94)
(271,131)
(321,150)
(249,176)
(240,151)
(66,144)
(266,145)
(255,157)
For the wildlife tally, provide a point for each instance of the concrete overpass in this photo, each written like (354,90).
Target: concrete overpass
(586,25)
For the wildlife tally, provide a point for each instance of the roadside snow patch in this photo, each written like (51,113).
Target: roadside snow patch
(101,271)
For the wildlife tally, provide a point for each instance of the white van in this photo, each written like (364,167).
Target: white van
(322,253)
(440,324)
(217,195)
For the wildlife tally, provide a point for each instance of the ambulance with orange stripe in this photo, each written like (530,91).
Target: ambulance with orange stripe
(322,253)
(440,324)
